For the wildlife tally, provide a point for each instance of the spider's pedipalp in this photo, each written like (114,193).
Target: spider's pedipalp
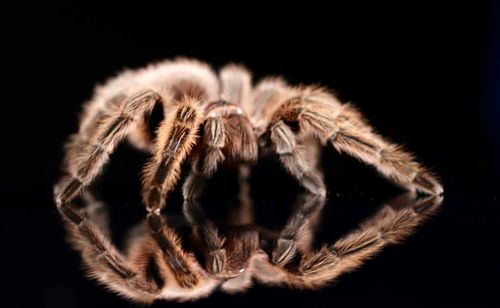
(294,159)
(297,233)
(215,141)
(207,234)
(205,164)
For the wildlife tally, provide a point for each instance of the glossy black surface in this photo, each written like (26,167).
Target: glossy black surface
(425,75)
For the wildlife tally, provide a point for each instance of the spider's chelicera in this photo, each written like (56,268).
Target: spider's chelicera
(210,119)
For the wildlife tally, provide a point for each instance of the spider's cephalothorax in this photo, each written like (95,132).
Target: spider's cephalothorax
(208,119)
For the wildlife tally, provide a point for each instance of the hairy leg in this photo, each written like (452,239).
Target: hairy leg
(94,116)
(177,135)
(113,130)
(180,77)
(87,164)
(297,233)
(102,260)
(85,158)
(354,137)
(391,224)
(294,158)
(319,114)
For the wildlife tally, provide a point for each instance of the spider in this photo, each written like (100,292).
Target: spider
(210,119)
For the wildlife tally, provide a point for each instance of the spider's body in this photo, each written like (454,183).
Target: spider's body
(209,119)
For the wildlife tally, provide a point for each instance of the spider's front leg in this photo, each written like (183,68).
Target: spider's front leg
(319,114)
(390,225)
(394,222)
(355,137)
(177,134)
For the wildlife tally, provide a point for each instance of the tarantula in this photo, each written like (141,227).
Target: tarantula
(209,120)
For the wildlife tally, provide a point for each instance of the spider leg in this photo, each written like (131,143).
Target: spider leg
(390,225)
(227,134)
(354,137)
(104,262)
(297,233)
(177,135)
(179,78)
(294,159)
(95,146)
(208,235)
(112,131)
(318,113)
(179,262)
(94,115)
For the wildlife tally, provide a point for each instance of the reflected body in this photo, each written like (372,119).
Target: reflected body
(246,253)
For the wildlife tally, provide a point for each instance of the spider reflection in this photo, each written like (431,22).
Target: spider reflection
(245,253)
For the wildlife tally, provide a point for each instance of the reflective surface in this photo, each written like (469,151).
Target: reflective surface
(435,265)
(419,73)
(246,253)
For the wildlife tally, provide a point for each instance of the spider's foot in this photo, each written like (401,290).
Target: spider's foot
(427,184)
(284,251)
(216,261)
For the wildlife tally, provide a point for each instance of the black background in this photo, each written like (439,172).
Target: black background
(425,74)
